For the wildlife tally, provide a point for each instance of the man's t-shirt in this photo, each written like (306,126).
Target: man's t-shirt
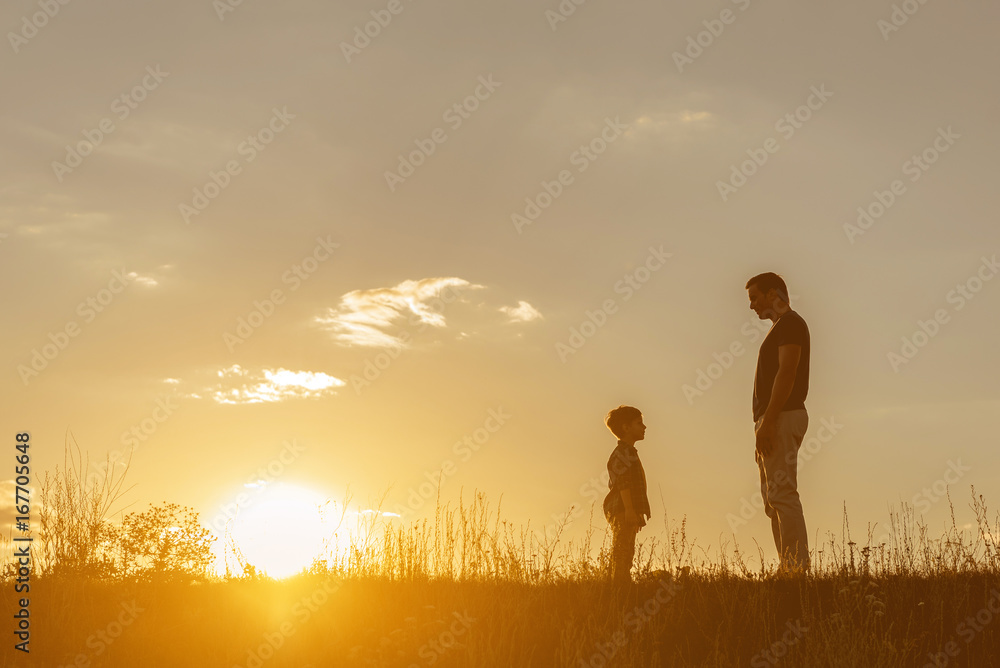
(625,472)
(789,329)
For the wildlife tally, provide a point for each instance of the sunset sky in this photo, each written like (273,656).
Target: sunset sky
(366,261)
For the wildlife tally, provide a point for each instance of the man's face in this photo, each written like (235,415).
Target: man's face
(635,430)
(760,303)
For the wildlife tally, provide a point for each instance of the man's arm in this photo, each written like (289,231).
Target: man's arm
(788,363)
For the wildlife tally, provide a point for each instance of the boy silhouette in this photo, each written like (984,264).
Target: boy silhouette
(626,506)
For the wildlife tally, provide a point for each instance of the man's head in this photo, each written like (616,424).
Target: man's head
(625,422)
(768,295)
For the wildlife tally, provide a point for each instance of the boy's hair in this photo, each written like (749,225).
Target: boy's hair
(770,280)
(618,417)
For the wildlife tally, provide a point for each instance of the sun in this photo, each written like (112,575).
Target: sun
(280,529)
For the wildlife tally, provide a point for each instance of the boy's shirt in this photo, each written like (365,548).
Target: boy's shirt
(625,472)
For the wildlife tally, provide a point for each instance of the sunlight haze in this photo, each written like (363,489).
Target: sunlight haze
(295,269)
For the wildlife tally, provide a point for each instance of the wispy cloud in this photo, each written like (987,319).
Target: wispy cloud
(375,317)
(523,312)
(670,125)
(143,279)
(241,386)
(385,317)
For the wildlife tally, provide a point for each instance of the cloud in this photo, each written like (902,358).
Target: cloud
(523,312)
(389,317)
(240,386)
(363,316)
(670,125)
(142,279)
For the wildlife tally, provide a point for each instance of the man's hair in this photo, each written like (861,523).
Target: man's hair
(768,280)
(618,417)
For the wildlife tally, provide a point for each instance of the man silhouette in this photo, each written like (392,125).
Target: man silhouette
(780,418)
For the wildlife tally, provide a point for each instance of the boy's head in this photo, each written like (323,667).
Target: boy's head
(625,422)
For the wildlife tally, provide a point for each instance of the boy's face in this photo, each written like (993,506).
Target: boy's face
(635,430)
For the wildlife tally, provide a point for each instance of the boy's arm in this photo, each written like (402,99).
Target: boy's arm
(630,516)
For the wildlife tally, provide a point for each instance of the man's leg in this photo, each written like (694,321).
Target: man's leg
(768,508)
(780,489)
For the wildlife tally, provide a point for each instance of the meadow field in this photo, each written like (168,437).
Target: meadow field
(467,588)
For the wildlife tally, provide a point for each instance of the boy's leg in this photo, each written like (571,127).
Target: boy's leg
(622,551)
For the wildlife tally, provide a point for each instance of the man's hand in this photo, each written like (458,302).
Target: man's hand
(765,436)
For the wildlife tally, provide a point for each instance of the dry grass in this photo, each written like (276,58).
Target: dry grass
(468,588)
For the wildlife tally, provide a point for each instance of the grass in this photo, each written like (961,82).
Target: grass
(468,588)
